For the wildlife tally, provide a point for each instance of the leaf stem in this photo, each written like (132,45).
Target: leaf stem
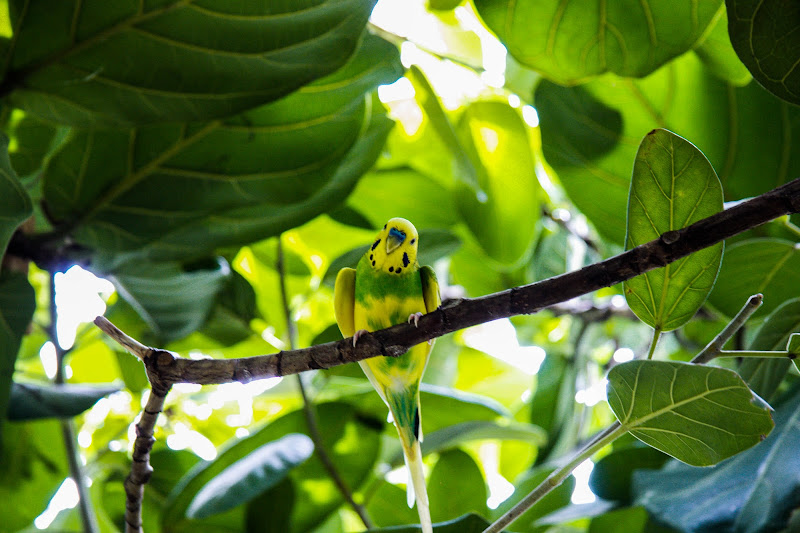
(714,348)
(558,476)
(308,406)
(656,336)
(88,518)
(780,354)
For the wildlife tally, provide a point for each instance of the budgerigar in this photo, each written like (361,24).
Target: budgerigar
(386,288)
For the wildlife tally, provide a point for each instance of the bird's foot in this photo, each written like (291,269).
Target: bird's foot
(414,317)
(357,335)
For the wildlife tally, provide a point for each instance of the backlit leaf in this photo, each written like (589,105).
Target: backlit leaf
(456,473)
(764,34)
(17,303)
(569,42)
(673,186)
(697,414)
(30,401)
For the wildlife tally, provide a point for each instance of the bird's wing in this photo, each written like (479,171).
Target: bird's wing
(344,301)
(430,289)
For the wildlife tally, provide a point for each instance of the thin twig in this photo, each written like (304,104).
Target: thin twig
(460,314)
(308,406)
(714,347)
(88,518)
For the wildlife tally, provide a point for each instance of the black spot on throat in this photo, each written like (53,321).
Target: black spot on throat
(373,263)
(405,259)
(391,269)
(399,269)
(375,245)
(370,257)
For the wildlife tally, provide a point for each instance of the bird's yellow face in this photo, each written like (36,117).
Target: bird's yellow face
(395,248)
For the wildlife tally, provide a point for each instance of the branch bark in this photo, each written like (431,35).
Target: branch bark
(169,368)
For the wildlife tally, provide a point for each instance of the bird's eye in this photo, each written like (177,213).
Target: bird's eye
(413,241)
(384,226)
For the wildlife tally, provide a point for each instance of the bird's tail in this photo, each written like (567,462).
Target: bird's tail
(416,485)
(405,411)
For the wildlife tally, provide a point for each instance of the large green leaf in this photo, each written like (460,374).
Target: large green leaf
(553,404)
(673,186)
(612,475)
(719,56)
(569,42)
(754,491)
(248,477)
(15,204)
(768,266)
(503,212)
(590,134)
(349,437)
(17,303)
(764,34)
(697,414)
(72,62)
(456,473)
(33,465)
(30,401)
(763,375)
(172,301)
(181,190)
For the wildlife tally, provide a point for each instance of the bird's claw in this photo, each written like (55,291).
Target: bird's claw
(357,335)
(414,317)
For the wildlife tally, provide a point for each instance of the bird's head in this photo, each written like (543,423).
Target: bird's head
(395,248)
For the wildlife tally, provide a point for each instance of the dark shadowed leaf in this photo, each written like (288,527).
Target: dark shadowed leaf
(17,303)
(612,476)
(763,375)
(180,190)
(248,477)
(271,511)
(673,186)
(30,401)
(754,491)
(765,36)
(15,204)
(697,414)
(193,61)
(570,42)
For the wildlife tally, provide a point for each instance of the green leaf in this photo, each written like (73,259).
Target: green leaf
(768,266)
(697,414)
(248,477)
(411,195)
(556,499)
(612,476)
(434,244)
(33,142)
(15,204)
(719,56)
(503,212)
(452,436)
(764,375)
(673,186)
(793,345)
(271,511)
(764,34)
(351,440)
(387,506)
(33,463)
(754,491)
(178,191)
(631,520)
(160,293)
(192,61)
(30,401)
(570,42)
(470,523)
(456,473)
(683,97)
(17,303)
(553,403)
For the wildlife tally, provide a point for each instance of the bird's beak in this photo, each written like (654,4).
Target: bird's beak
(393,240)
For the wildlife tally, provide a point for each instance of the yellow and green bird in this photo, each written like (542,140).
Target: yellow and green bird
(386,288)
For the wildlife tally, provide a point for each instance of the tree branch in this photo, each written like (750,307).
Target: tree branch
(463,313)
